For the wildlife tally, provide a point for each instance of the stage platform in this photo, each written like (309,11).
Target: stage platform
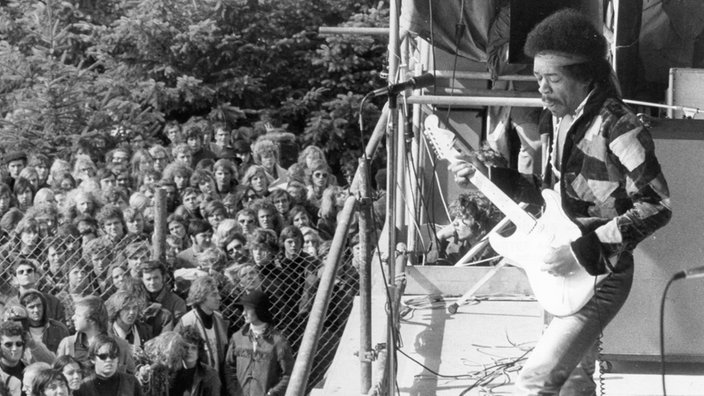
(479,349)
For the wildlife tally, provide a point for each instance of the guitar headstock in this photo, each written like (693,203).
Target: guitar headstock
(441,140)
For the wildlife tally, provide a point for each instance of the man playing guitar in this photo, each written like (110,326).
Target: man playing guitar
(601,160)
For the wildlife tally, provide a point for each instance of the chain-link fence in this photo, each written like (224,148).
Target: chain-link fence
(69,268)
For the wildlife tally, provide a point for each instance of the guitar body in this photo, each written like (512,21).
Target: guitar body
(526,247)
(559,295)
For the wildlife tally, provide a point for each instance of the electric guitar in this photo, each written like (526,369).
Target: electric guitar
(525,248)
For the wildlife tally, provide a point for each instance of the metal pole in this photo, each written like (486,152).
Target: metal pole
(160,228)
(473,101)
(309,344)
(366,224)
(391,190)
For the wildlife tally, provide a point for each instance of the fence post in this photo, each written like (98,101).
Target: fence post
(366,225)
(160,228)
(309,343)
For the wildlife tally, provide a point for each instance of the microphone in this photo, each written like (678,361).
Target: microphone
(417,82)
(692,273)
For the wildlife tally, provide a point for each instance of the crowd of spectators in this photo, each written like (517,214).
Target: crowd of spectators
(86,305)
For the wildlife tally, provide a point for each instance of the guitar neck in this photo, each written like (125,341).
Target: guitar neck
(523,221)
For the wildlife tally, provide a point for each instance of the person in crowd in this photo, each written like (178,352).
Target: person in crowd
(78,286)
(160,157)
(243,155)
(30,373)
(247,219)
(194,139)
(265,152)
(200,234)
(235,246)
(154,277)
(214,212)
(25,242)
(58,168)
(473,216)
(98,253)
(258,339)
(54,279)
(112,224)
(204,182)
(282,202)
(107,379)
(47,216)
(135,254)
(27,274)
(182,154)
(6,198)
(136,226)
(35,350)
(267,215)
(330,206)
(13,341)
(91,323)
(595,140)
(31,176)
(71,369)
(221,146)
(14,161)
(49,382)
(124,314)
(41,164)
(178,228)
(309,155)
(83,169)
(258,180)
(195,378)
(319,180)
(301,269)
(119,156)
(106,179)
(190,204)
(205,317)
(172,133)
(225,173)
(179,173)
(42,328)
(155,315)
(24,193)
(311,241)
(172,199)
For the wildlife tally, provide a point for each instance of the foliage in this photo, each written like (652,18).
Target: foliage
(88,68)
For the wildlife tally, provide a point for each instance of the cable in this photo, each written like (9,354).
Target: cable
(662,334)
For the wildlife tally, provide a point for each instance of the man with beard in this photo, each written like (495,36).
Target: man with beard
(42,328)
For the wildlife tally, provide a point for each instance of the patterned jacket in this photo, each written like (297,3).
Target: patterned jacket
(611,183)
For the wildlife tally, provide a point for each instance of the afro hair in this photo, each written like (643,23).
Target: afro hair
(567,31)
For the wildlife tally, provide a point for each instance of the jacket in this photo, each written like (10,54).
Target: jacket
(205,381)
(68,347)
(611,183)
(264,372)
(127,386)
(171,302)
(191,318)
(54,330)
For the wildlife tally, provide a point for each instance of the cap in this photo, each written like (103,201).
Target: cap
(260,302)
(14,156)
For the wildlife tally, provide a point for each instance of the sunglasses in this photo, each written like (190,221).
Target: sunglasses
(248,221)
(106,356)
(25,271)
(320,174)
(18,344)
